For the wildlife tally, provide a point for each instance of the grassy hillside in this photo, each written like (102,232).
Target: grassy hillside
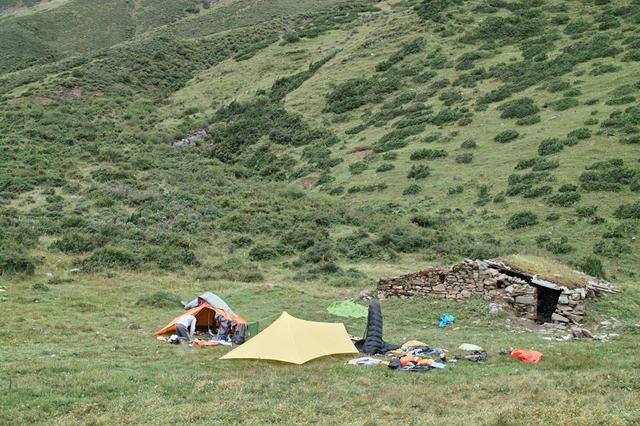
(346,140)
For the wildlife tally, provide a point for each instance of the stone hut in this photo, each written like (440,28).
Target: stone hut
(527,294)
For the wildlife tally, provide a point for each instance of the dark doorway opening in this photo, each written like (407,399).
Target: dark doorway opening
(547,303)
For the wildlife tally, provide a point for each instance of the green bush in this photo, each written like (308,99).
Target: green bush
(557,86)
(518,108)
(429,154)
(110,257)
(458,189)
(506,136)
(582,133)
(420,171)
(385,167)
(564,104)
(564,199)
(75,242)
(412,189)
(550,146)
(321,252)
(628,211)
(560,247)
(357,167)
(410,48)
(469,144)
(262,252)
(522,220)
(40,287)
(13,261)
(568,187)
(611,248)
(591,265)
(465,158)
(529,120)
(586,211)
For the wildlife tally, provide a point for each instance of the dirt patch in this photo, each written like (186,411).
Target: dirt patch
(308,181)
(67,93)
(361,150)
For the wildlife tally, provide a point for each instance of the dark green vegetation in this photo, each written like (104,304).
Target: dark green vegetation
(345,140)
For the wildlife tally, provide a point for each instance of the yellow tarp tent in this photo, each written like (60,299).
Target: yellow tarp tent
(297,341)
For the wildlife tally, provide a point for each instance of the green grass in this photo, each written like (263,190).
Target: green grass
(86,366)
(282,190)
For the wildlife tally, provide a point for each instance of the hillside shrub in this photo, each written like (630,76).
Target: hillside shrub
(358,167)
(518,108)
(568,187)
(496,95)
(410,48)
(385,167)
(420,171)
(537,191)
(355,129)
(556,85)
(564,199)
(628,211)
(469,144)
(428,154)
(631,140)
(622,230)
(564,104)
(592,265)
(412,189)
(110,257)
(458,189)
(611,248)
(582,133)
(75,242)
(506,136)
(529,120)
(522,220)
(354,93)
(465,158)
(560,247)
(550,146)
(13,261)
(450,97)
(321,252)
(390,156)
(586,211)
(607,175)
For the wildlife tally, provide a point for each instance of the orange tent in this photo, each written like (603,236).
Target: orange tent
(205,316)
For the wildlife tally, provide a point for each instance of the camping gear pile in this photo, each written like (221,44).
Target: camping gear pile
(296,341)
(214,319)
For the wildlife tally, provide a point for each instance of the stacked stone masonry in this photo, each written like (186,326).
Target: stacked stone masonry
(477,278)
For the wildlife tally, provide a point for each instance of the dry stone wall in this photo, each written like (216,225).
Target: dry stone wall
(482,279)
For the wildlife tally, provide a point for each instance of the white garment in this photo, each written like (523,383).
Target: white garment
(189,322)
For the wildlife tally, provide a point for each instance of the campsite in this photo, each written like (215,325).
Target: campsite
(352,212)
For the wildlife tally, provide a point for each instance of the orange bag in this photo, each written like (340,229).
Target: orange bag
(526,355)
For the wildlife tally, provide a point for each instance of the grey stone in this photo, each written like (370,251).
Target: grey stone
(559,318)
(525,300)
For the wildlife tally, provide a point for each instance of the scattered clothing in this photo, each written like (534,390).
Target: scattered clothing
(205,343)
(446,319)
(469,347)
(412,344)
(365,360)
(529,356)
(346,308)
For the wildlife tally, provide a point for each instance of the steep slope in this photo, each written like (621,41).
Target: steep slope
(427,130)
